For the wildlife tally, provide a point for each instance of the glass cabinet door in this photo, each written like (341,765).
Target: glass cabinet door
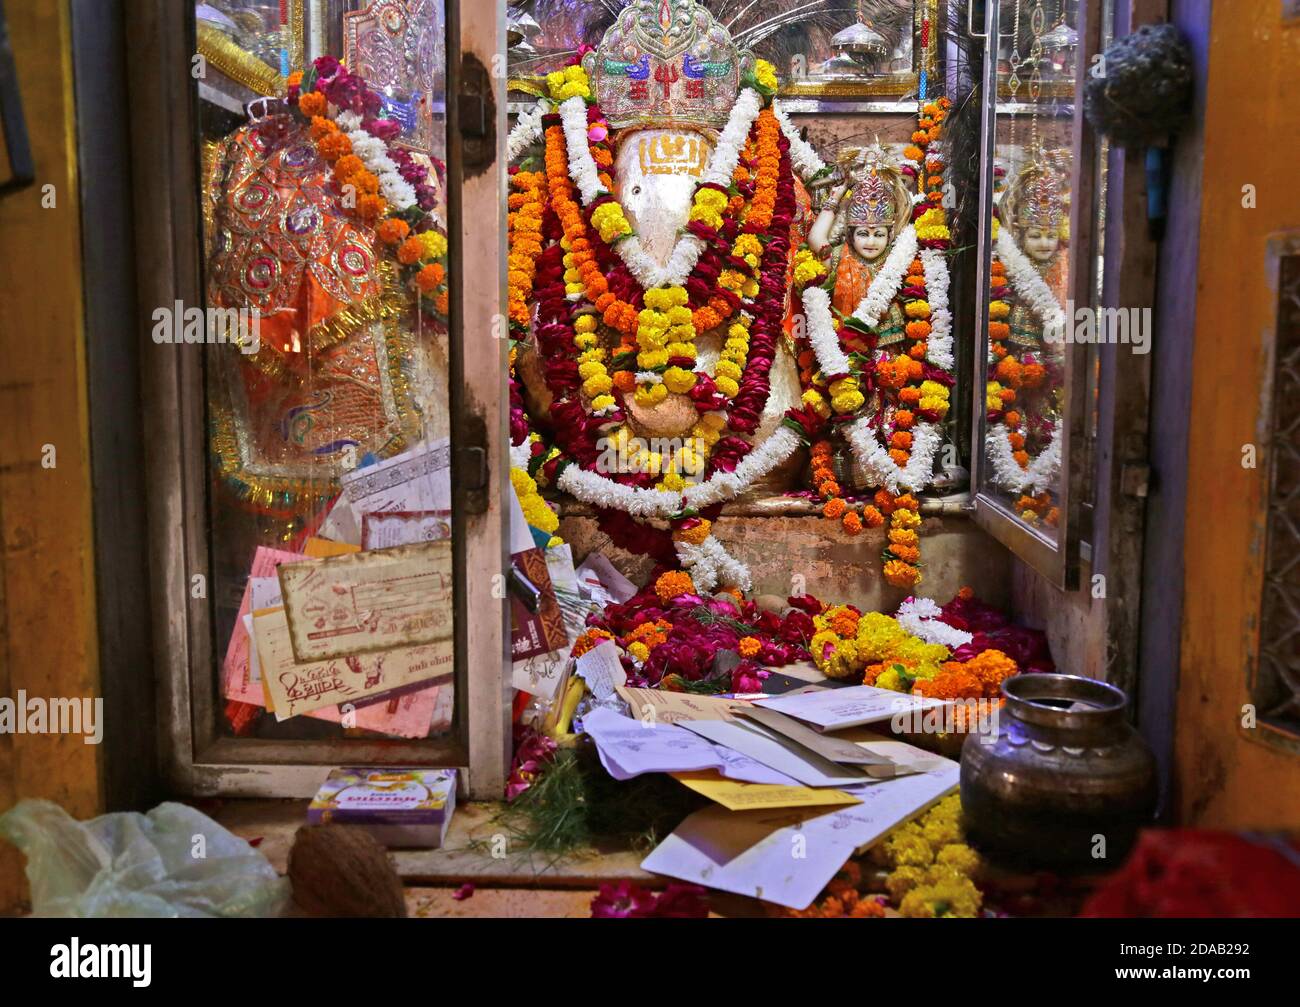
(337,449)
(1035,232)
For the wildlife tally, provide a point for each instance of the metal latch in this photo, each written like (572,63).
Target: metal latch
(473,469)
(1135,479)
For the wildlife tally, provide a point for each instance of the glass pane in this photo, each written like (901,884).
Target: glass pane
(1029,282)
(326,372)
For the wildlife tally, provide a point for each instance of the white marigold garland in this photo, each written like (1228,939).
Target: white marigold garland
(520,453)
(586,175)
(1043,472)
(527,131)
(709,565)
(921,617)
(825,341)
(939,342)
(1031,288)
(397,191)
(926,437)
(874,456)
(601,491)
(723,486)
(888,280)
(803,157)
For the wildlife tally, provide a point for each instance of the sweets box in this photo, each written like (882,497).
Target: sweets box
(399,807)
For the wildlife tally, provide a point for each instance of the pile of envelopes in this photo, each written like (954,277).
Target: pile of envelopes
(354,625)
(800,782)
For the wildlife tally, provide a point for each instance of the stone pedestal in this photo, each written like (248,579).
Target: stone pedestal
(783,539)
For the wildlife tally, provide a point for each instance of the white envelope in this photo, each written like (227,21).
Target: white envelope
(776,752)
(835,709)
(789,857)
(630,747)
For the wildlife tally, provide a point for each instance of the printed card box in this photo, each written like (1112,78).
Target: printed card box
(401,808)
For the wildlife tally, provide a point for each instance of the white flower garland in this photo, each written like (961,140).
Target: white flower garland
(1042,473)
(601,491)
(888,280)
(874,456)
(920,617)
(709,564)
(726,485)
(527,131)
(825,341)
(1031,288)
(939,342)
(374,155)
(586,175)
(803,157)
(519,454)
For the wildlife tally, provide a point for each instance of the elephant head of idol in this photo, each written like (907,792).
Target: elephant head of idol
(667,77)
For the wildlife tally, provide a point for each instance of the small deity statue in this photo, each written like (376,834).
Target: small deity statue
(1035,208)
(1026,329)
(856,228)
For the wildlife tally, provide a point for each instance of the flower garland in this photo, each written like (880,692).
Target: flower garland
(526,132)
(806,160)
(537,512)
(686,252)
(896,442)
(385,186)
(524,229)
(1013,468)
(725,265)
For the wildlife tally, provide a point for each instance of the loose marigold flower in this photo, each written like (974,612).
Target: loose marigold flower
(312,103)
(673,584)
(393,230)
(410,251)
(430,277)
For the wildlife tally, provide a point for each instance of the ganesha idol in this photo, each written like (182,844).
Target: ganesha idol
(649,281)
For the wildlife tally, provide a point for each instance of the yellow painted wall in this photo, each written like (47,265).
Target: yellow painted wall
(1225,775)
(47,611)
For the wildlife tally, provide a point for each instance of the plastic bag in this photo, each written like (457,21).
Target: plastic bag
(173,861)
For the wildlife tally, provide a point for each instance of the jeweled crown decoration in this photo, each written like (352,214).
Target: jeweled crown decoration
(667,61)
(876,199)
(872,203)
(1039,198)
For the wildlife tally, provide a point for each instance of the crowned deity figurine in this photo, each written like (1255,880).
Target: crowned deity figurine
(1026,331)
(857,227)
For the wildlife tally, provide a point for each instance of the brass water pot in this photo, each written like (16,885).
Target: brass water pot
(1064,781)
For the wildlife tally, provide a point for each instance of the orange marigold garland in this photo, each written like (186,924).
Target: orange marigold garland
(524,223)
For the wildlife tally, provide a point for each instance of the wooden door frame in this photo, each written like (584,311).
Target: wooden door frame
(167,228)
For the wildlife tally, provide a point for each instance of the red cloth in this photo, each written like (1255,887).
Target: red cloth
(1202,873)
